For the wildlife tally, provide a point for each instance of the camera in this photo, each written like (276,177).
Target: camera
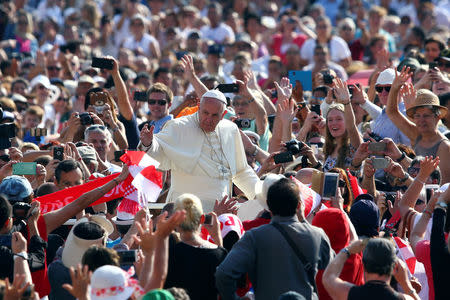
(20,210)
(128,257)
(242,123)
(86,119)
(293,147)
(327,78)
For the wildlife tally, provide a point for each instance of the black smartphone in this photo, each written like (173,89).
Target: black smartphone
(127,257)
(392,196)
(58,153)
(327,78)
(208,219)
(228,88)
(330,185)
(316,108)
(86,119)
(102,63)
(432,65)
(118,154)
(140,96)
(283,157)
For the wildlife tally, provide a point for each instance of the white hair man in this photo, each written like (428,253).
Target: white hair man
(100,137)
(204,153)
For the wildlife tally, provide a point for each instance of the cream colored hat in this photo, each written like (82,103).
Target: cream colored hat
(426,98)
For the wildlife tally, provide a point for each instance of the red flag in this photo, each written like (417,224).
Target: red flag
(310,199)
(61,198)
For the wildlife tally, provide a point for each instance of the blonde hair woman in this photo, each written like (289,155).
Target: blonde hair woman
(25,40)
(193,261)
(342,136)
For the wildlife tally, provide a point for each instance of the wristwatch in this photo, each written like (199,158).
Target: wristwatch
(402,180)
(401,157)
(345,250)
(22,255)
(442,205)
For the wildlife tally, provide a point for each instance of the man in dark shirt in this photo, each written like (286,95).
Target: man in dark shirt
(266,255)
(380,263)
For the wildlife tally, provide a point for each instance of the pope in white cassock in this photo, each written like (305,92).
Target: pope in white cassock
(204,153)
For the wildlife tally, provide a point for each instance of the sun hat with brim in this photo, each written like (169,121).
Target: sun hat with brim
(75,247)
(158,295)
(110,282)
(40,79)
(262,187)
(16,188)
(426,98)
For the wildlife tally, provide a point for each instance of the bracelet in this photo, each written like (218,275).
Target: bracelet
(115,129)
(345,250)
(402,157)
(22,255)
(404,178)
(420,181)
(426,211)
(318,166)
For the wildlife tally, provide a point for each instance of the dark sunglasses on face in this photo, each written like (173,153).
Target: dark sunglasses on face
(160,102)
(53,68)
(413,170)
(379,89)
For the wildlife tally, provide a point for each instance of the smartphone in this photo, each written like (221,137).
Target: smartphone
(127,257)
(432,65)
(283,157)
(392,196)
(102,63)
(208,219)
(228,88)
(351,87)
(38,131)
(140,96)
(24,168)
(377,147)
(429,188)
(301,77)
(380,162)
(58,153)
(316,108)
(330,185)
(118,154)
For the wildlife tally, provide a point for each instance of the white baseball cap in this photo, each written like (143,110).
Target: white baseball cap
(386,77)
(216,95)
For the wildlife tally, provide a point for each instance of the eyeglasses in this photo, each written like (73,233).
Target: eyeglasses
(63,99)
(345,28)
(53,68)
(380,89)
(154,101)
(420,202)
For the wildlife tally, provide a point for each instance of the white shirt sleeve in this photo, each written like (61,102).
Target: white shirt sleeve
(340,49)
(373,109)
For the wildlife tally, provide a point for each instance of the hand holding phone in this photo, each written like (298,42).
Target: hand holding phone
(228,88)
(58,153)
(330,185)
(102,63)
(377,147)
(207,219)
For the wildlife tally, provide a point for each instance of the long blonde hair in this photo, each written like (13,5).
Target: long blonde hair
(331,142)
(28,34)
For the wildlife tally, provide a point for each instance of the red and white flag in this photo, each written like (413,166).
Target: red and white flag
(143,184)
(311,200)
(405,253)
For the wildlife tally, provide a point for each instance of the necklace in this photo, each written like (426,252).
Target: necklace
(223,171)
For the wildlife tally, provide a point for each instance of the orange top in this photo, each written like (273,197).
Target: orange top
(188,111)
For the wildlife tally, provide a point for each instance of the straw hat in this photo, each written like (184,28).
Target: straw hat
(426,98)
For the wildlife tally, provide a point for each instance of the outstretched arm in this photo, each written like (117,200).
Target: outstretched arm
(189,70)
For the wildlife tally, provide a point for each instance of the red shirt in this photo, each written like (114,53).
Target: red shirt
(277,44)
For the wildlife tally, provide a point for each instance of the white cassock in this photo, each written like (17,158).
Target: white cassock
(203,164)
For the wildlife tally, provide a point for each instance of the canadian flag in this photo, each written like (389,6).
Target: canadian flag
(145,182)
(310,199)
(405,253)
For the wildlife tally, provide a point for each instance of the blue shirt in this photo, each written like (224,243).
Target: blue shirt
(384,127)
(158,124)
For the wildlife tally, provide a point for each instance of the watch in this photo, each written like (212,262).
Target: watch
(345,250)
(22,255)
(401,157)
(442,205)
(402,180)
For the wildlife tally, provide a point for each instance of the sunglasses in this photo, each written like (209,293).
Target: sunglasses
(379,89)
(63,99)
(413,170)
(53,68)
(160,102)
(420,202)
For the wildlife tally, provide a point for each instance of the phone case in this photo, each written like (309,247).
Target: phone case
(24,168)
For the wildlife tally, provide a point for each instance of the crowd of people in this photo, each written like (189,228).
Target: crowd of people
(298,149)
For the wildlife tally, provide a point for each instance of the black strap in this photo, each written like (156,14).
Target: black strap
(307,265)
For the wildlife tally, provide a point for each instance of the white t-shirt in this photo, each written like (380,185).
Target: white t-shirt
(218,34)
(338,49)
(120,35)
(144,43)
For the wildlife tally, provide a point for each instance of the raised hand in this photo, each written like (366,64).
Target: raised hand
(224,206)
(382,59)
(368,169)
(146,135)
(401,78)
(188,66)
(15,154)
(395,169)
(17,289)
(286,110)
(284,89)
(81,278)
(427,166)
(408,94)
(359,96)
(361,153)
(341,91)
